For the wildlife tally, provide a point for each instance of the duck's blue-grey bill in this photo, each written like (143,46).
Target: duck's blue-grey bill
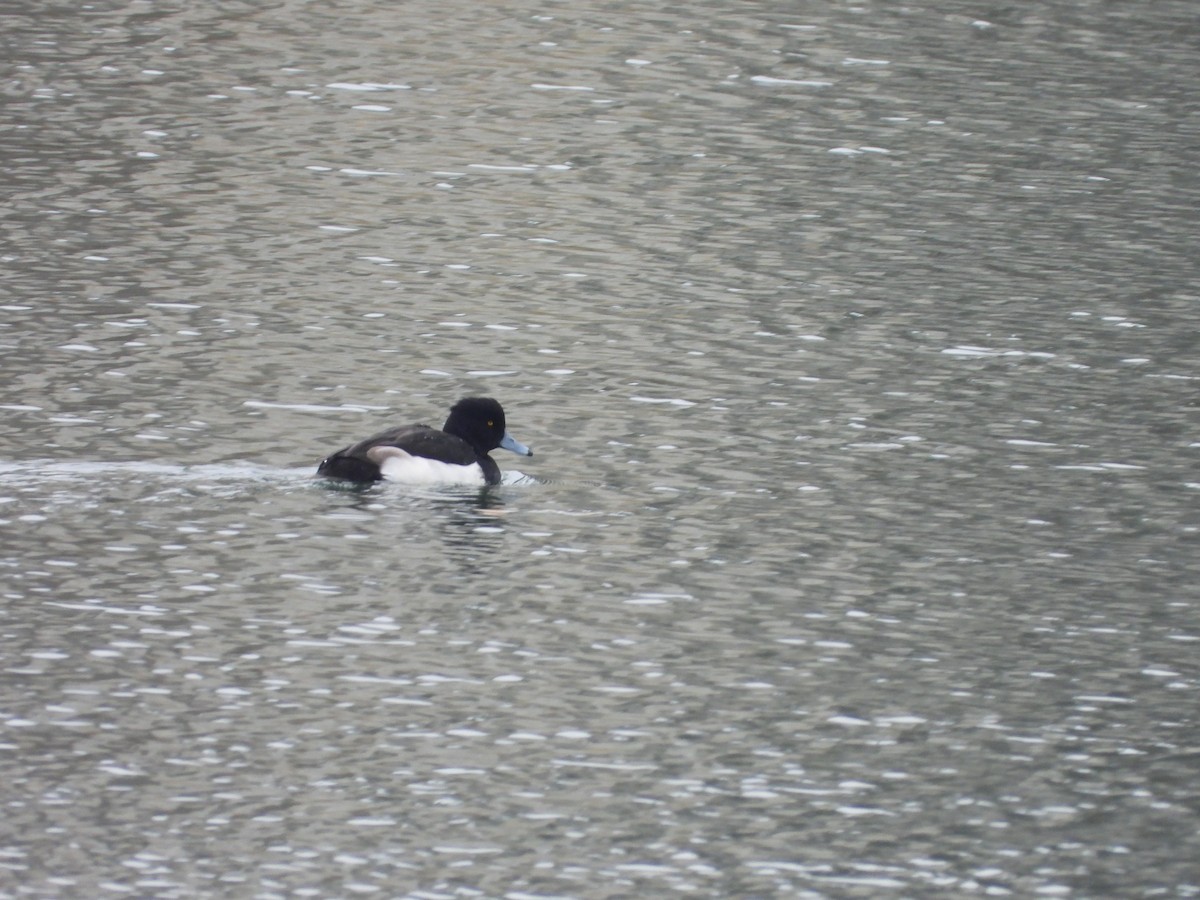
(511,443)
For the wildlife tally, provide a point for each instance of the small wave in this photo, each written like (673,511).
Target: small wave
(83,470)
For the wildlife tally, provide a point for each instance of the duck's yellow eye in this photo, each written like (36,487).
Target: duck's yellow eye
(490,423)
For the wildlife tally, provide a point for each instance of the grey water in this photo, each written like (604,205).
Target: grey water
(856,343)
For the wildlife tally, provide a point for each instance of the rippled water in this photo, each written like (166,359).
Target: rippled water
(856,345)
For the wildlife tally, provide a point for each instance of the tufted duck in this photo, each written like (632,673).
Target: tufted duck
(418,454)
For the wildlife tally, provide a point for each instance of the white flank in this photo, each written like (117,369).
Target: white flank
(400,466)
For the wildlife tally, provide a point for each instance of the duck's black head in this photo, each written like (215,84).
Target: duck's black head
(480,422)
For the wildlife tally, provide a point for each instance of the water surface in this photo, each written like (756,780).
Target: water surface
(855,344)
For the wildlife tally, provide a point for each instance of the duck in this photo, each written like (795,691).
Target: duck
(419,454)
